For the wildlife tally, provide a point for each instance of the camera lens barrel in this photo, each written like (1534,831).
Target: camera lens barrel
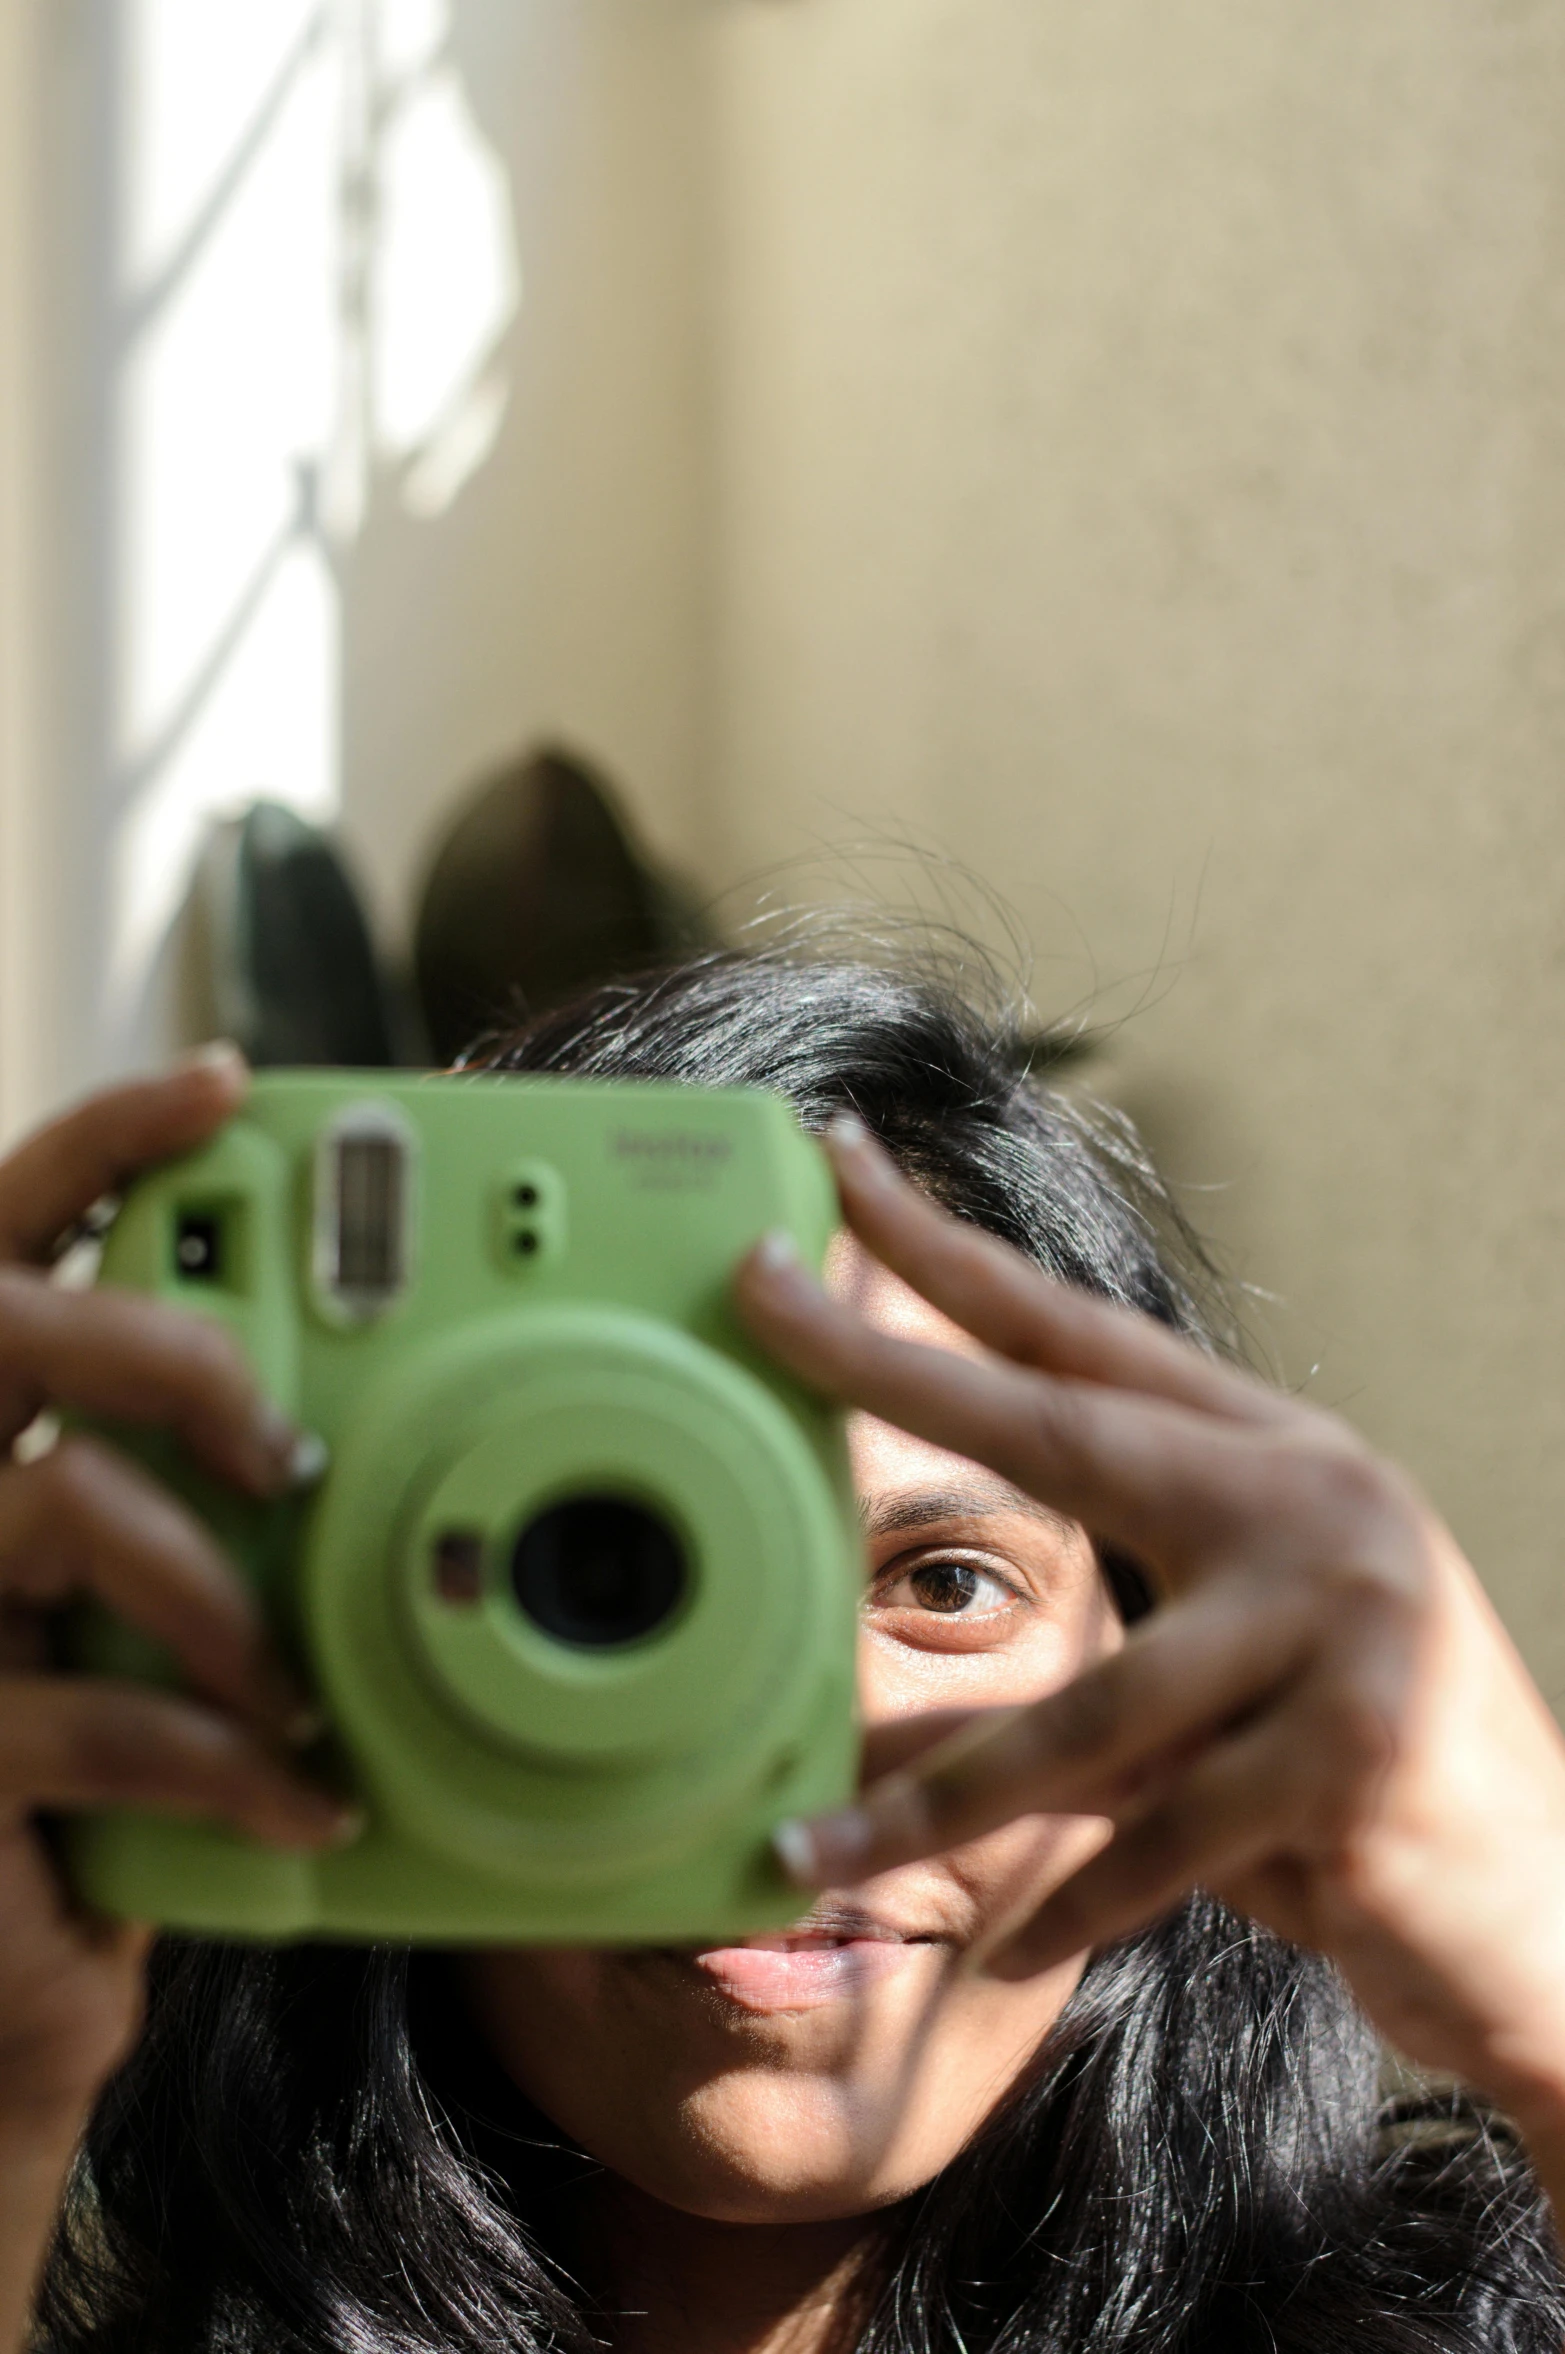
(599,1571)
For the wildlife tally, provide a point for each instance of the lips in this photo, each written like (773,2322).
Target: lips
(828,1957)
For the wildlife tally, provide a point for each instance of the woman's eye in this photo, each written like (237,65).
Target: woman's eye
(955,1589)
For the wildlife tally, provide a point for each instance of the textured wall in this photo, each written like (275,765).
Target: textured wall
(1121,444)
(563,591)
(1144,471)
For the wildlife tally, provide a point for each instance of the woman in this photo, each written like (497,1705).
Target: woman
(1066,2053)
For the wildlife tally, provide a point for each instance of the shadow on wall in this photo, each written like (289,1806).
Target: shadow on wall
(538,890)
(310,280)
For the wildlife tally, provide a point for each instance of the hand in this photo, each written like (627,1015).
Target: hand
(83,1519)
(1323,1723)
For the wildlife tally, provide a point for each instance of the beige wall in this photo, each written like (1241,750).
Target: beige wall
(1144,470)
(563,592)
(36,829)
(17,754)
(1118,444)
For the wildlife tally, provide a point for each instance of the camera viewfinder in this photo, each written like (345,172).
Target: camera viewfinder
(363,1214)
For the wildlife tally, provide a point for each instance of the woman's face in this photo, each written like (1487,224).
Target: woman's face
(822,2073)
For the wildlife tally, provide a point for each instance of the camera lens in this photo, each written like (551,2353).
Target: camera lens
(598,1571)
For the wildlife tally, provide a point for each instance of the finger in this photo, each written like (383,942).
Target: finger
(1010,1305)
(1142,1473)
(83,1519)
(32,1893)
(1229,1812)
(137,1360)
(893,1744)
(72,1741)
(55,1177)
(1171,1689)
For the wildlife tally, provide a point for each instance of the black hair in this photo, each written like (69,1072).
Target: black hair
(310,2153)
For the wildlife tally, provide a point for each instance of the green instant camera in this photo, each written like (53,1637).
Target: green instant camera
(578,1590)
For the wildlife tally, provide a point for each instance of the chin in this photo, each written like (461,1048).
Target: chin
(799,2079)
(766,2146)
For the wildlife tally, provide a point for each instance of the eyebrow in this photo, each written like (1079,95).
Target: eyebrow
(982,1500)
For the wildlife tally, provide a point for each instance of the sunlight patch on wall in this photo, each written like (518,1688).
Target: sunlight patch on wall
(444,292)
(313,274)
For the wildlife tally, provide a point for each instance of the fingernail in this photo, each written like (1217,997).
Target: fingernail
(308,1458)
(301,1456)
(849,1139)
(277,1431)
(313,1818)
(283,1706)
(777,1253)
(793,1844)
(829,1848)
(304,1723)
(217,1054)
